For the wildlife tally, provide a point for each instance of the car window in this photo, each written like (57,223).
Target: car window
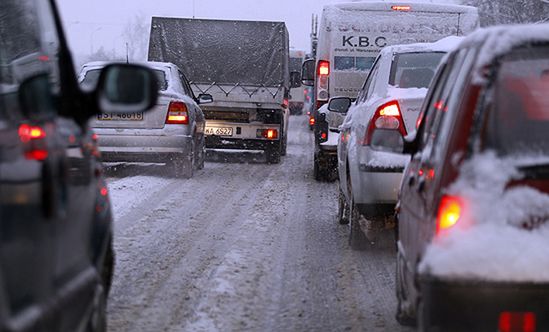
(91,78)
(367,89)
(414,70)
(186,86)
(519,118)
(28,47)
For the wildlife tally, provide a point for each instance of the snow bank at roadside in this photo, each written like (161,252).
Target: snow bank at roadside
(503,235)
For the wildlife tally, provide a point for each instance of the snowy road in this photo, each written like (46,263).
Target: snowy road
(243,246)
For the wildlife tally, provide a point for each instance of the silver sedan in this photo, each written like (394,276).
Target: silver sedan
(171,133)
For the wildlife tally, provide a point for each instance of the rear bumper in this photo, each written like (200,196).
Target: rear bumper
(216,142)
(476,306)
(121,148)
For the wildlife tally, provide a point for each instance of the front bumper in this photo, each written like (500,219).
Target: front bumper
(477,306)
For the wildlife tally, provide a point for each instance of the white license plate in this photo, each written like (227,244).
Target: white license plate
(120,116)
(219,131)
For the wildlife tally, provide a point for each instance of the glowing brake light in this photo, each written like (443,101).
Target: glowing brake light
(177,113)
(450,212)
(28,133)
(517,321)
(323,68)
(401,8)
(270,134)
(387,116)
(311,121)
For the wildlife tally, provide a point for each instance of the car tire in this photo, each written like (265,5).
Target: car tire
(108,268)
(342,209)
(98,319)
(357,238)
(402,317)
(272,153)
(319,173)
(202,157)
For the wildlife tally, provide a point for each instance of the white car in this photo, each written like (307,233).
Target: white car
(390,99)
(171,133)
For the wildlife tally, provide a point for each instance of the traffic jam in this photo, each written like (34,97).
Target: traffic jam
(388,173)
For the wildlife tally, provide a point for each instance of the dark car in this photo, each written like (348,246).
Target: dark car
(56,256)
(474,202)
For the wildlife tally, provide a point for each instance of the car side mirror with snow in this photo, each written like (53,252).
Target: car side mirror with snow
(387,140)
(339,104)
(204,98)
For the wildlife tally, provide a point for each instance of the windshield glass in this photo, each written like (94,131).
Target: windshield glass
(414,70)
(92,76)
(519,119)
(353,63)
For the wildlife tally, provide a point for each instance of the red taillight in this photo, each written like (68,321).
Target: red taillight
(177,113)
(28,133)
(36,155)
(517,322)
(387,116)
(401,8)
(450,212)
(285,103)
(267,133)
(104,191)
(311,121)
(323,68)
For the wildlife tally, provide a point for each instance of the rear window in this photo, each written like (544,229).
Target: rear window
(518,121)
(353,63)
(92,76)
(414,70)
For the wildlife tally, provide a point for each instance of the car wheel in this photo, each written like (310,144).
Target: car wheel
(202,157)
(402,316)
(342,209)
(272,153)
(98,318)
(108,268)
(357,239)
(319,172)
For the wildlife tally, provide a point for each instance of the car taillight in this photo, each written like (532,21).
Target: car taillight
(267,133)
(401,8)
(387,116)
(323,72)
(33,138)
(177,113)
(517,322)
(450,212)
(28,133)
(311,120)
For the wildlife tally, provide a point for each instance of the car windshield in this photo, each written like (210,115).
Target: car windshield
(92,76)
(414,70)
(353,63)
(519,118)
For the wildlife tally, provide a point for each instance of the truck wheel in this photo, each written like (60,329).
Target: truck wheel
(342,209)
(273,153)
(357,239)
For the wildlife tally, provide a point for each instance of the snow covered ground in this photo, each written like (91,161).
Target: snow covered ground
(243,247)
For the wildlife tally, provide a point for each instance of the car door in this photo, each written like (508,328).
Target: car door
(345,134)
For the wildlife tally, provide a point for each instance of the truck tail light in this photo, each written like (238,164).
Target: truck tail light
(270,134)
(311,120)
(450,212)
(517,322)
(387,116)
(34,138)
(177,113)
(401,8)
(323,73)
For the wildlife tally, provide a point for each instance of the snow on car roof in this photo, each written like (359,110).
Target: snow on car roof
(446,44)
(386,6)
(498,40)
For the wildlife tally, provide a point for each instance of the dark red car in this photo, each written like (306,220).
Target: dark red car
(473,212)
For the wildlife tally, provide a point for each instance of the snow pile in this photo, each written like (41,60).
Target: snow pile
(387,160)
(496,41)
(503,235)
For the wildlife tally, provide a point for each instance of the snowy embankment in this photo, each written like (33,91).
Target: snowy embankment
(503,234)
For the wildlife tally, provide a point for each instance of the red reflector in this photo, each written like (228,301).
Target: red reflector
(401,8)
(94,137)
(517,322)
(104,191)
(323,68)
(177,113)
(324,135)
(28,133)
(450,211)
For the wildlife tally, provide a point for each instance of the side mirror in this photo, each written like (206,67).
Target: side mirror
(339,104)
(126,88)
(388,140)
(308,72)
(204,98)
(295,79)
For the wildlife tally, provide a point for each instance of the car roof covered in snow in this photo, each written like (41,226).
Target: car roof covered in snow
(387,6)
(446,44)
(494,42)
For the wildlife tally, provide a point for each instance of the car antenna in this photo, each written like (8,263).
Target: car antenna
(127,54)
